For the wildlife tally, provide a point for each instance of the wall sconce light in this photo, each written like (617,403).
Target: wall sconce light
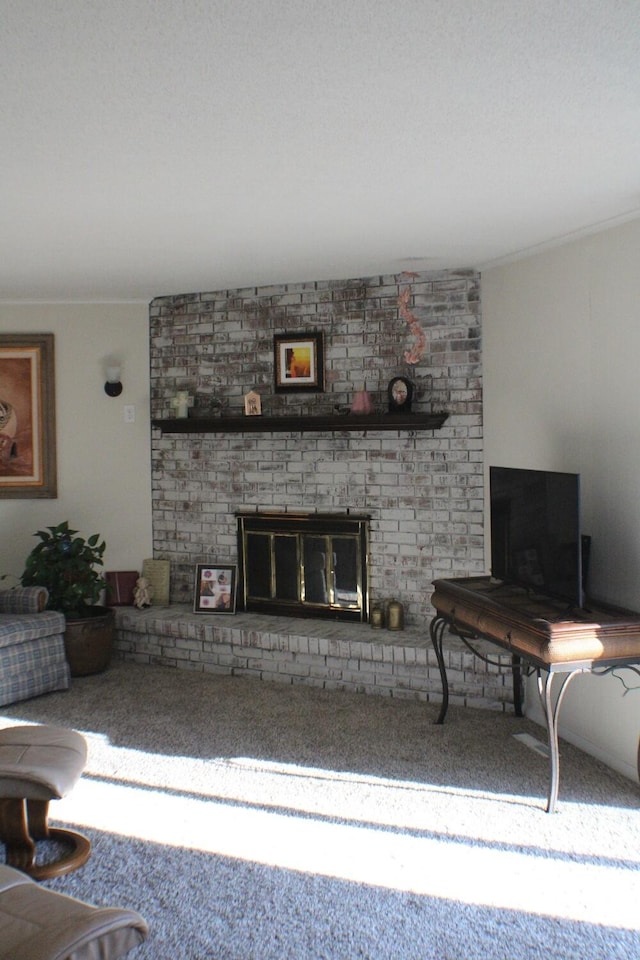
(113,387)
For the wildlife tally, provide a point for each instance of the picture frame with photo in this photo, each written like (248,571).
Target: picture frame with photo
(215,588)
(27,416)
(298,362)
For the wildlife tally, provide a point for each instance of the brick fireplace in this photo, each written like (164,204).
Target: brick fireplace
(422,489)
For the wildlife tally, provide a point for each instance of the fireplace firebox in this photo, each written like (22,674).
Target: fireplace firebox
(299,564)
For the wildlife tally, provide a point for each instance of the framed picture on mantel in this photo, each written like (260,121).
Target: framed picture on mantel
(299,362)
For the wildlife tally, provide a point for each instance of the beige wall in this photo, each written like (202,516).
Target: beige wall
(103,463)
(561,341)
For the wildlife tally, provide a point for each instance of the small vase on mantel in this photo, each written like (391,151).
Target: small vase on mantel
(362,403)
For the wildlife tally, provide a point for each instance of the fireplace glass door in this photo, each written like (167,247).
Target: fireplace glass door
(304,566)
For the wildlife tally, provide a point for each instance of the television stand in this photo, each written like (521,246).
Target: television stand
(539,631)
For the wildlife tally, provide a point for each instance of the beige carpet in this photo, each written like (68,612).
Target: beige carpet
(251,820)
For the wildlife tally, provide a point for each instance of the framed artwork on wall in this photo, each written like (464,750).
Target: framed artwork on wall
(215,588)
(27,416)
(299,362)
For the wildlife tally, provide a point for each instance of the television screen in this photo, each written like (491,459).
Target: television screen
(535,531)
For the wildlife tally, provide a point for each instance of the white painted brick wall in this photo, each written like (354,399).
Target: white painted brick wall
(424,491)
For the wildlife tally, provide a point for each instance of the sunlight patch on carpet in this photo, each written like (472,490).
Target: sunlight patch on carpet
(469,870)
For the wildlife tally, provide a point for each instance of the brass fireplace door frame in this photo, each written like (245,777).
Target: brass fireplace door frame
(316,542)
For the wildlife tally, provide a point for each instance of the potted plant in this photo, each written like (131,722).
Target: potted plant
(66,564)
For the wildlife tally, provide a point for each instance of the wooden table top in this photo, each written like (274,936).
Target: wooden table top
(541,629)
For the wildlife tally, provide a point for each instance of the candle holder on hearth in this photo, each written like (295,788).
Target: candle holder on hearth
(395,615)
(376,617)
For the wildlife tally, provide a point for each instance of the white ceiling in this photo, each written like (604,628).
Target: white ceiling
(152,147)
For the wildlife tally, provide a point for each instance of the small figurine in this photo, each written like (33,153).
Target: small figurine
(142,593)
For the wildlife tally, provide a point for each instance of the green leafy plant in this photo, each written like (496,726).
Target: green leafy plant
(66,565)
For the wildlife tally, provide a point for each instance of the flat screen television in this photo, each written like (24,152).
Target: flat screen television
(535,531)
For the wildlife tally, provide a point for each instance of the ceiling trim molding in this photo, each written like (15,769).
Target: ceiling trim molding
(561,240)
(44,303)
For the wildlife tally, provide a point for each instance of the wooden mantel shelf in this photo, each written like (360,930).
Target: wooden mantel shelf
(302,424)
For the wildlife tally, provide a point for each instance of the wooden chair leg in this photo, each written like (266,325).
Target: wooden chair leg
(14,833)
(37,814)
(24,821)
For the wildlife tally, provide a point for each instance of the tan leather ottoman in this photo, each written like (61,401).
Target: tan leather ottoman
(39,764)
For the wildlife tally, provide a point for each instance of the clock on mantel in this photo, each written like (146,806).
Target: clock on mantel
(332,423)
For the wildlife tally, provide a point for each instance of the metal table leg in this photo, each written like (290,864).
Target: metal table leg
(551,711)
(516,675)
(436,631)
(550,708)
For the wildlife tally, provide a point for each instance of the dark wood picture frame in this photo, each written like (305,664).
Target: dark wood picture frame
(27,416)
(215,588)
(298,362)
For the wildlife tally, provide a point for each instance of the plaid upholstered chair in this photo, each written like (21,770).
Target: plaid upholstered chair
(32,658)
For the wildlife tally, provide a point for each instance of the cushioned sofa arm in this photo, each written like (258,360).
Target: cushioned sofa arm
(108,933)
(39,924)
(23,600)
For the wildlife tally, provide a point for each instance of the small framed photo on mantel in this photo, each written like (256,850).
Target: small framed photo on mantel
(252,404)
(299,362)
(215,588)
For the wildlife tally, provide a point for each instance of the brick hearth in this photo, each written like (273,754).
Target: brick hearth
(328,654)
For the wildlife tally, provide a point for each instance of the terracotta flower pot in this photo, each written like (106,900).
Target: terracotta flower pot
(88,641)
